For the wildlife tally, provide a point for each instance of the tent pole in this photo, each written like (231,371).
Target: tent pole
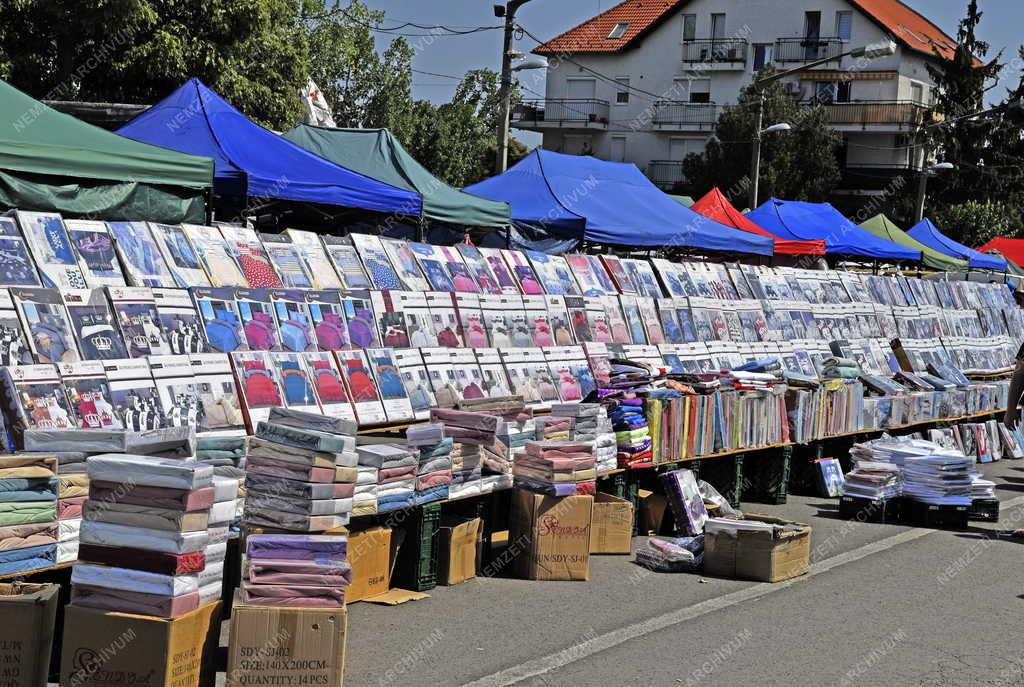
(209,205)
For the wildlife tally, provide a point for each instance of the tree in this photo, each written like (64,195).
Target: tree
(974,223)
(800,164)
(137,51)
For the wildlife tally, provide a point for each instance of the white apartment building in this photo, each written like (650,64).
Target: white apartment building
(645,81)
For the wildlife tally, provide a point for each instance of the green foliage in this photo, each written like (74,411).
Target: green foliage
(974,223)
(800,164)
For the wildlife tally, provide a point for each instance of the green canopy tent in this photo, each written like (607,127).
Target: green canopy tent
(882,227)
(377,154)
(683,200)
(52,161)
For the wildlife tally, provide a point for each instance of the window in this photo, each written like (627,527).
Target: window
(619,30)
(618,149)
(718,26)
(700,91)
(844,25)
(621,90)
(689,27)
(825,91)
(917,93)
(812,24)
(763,53)
(843,92)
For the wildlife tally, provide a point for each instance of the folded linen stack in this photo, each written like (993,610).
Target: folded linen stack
(300,478)
(434,471)
(73,489)
(747,381)
(28,512)
(144,535)
(515,434)
(840,368)
(553,428)
(631,433)
(629,375)
(467,471)
(364,496)
(219,528)
(509,408)
(557,468)
(588,419)
(478,429)
(296,570)
(396,474)
(228,451)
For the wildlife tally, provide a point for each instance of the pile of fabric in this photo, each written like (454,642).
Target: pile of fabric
(557,468)
(223,514)
(364,496)
(144,536)
(296,570)
(840,368)
(477,429)
(553,427)
(629,375)
(73,490)
(467,471)
(28,513)
(300,472)
(748,381)
(632,434)
(434,471)
(396,474)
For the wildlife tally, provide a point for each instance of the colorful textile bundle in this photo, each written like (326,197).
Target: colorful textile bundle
(556,468)
(632,434)
(139,553)
(296,570)
(29,509)
(364,494)
(396,474)
(434,471)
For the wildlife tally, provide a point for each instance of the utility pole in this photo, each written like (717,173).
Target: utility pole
(755,156)
(508,11)
(922,180)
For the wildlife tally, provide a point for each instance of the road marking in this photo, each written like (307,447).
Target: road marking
(609,640)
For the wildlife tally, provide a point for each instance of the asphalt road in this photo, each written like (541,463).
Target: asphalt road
(883,604)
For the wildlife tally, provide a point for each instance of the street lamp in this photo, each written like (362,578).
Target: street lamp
(922,183)
(781,126)
(870,51)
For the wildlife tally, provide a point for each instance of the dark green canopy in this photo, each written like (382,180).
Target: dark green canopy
(376,153)
(51,161)
(683,200)
(882,227)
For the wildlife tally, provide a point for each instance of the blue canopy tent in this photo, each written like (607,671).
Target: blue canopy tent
(928,234)
(252,161)
(581,198)
(801,221)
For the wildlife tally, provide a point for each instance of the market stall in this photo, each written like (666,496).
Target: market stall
(882,227)
(927,233)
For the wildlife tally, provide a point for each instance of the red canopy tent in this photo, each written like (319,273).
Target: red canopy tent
(716,206)
(1010,248)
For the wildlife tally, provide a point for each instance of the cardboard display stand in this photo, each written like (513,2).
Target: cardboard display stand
(108,649)
(272,645)
(27,616)
(551,536)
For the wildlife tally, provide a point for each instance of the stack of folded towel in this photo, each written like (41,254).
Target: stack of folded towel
(553,428)
(144,535)
(364,497)
(434,472)
(28,513)
(840,368)
(296,570)
(396,474)
(557,468)
(222,515)
(467,471)
(300,478)
(73,491)
(631,433)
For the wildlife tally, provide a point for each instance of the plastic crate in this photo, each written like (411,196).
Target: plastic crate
(931,515)
(984,509)
(888,511)
(766,476)
(416,568)
(724,474)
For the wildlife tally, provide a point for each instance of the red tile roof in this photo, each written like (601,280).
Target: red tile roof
(907,26)
(592,35)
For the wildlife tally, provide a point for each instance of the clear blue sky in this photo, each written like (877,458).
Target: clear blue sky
(1000,26)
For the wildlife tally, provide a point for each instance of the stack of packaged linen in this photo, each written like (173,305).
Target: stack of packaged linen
(553,427)
(434,472)
(222,514)
(300,472)
(632,433)
(480,429)
(396,474)
(296,570)
(467,471)
(557,468)
(73,490)
(364,497)
(28,513)
(144,535)
(590,423)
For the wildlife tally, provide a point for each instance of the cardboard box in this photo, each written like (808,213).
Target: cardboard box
(27,616)
(762,556)
(651,515)
(369,554)
(612,529)
(550,536)
(107,649)
(277,645)
(459,550)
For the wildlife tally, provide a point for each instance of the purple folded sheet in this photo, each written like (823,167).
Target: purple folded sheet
(134,602)
(292,595)
(318,573)
(302,547)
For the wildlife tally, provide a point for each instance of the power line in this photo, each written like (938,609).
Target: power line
(437,30)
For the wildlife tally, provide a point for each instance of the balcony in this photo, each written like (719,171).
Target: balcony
(665,173)
(675,115)
(566,113)
(716,53)
(877,177)
(876,115)
(793,50)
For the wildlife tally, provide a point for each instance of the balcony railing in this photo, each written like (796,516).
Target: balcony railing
(685,115)
(902,113)
(877,176)
(807,49)
(583,111)
(715,51)
(665,173)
